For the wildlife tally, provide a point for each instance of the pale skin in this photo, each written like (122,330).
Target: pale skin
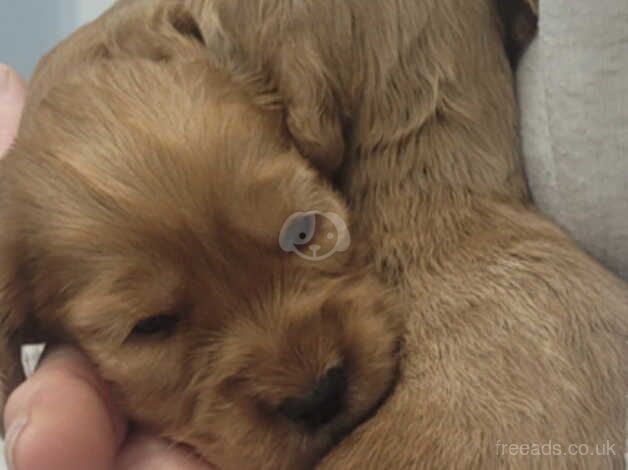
(63,411)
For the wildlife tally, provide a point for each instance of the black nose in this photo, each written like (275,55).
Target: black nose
(321,404)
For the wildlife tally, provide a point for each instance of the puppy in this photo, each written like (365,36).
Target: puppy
(512,335)
(150,209)
(514,338)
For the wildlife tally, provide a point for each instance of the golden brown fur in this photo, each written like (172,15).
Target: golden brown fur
(512,334)
(143,186)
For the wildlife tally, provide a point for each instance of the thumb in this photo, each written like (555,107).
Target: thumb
(12,96)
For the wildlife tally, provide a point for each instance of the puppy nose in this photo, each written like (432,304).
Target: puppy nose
(321,404)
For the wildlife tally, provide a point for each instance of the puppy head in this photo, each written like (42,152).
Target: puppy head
(144,205)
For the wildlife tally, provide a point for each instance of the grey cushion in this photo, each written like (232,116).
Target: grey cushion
(573,91)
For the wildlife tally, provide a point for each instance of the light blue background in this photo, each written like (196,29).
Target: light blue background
(29,28)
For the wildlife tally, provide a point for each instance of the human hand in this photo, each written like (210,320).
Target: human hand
(62,417)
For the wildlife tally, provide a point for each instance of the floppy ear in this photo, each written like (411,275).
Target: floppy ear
(306,89)
(313,114)
(12,323)
(14,304)
(519,20)
(291,67)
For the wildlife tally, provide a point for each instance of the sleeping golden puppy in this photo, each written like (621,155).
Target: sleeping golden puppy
(515,340)
(512,337)
(150,211)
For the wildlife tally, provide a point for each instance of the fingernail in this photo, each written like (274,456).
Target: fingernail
(13,434)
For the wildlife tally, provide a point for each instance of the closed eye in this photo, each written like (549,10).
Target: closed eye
(158,326)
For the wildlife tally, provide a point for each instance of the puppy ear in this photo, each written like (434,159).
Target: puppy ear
(13,316)
(306,87)
(519,21)
(313,114)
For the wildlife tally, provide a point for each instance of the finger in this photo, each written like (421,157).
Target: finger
(12,96)
(62,418)
(148,453)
